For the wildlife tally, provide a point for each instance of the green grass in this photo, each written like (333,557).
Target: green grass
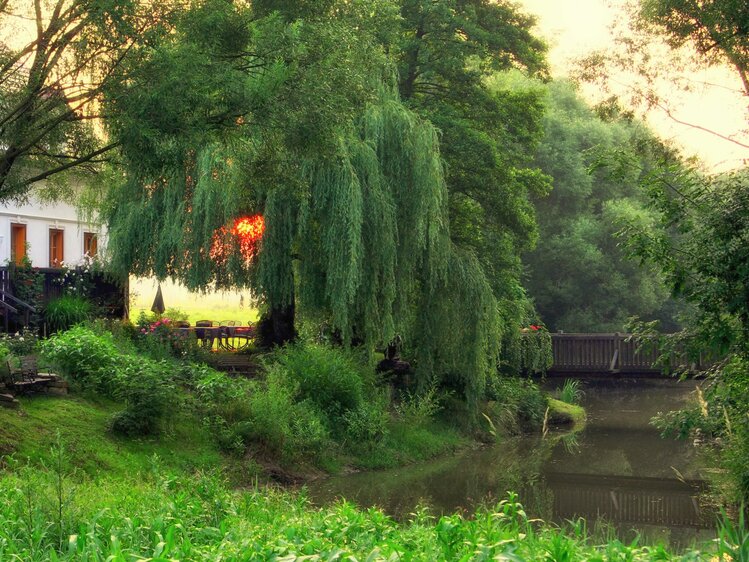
(571,392)
(408,444)
(82,424)
(216,306)
(562,413)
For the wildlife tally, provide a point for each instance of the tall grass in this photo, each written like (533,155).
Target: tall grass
(571,392)
(162,517)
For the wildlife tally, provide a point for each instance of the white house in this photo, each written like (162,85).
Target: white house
(51,233)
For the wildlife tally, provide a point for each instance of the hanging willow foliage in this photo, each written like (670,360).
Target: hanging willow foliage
(361,237)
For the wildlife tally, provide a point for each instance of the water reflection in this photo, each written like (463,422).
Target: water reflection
(618,469)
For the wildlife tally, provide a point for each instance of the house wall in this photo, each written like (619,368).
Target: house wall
(39,218)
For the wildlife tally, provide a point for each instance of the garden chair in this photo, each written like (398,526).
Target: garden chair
(26,371)
(205,332)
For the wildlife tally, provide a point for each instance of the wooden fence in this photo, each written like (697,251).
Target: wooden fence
(610,353)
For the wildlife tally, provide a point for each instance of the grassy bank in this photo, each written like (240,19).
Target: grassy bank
(186,445)
(83,425)
(566,414)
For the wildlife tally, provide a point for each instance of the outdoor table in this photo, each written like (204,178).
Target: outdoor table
(227,337)
(234,336)
(206,335)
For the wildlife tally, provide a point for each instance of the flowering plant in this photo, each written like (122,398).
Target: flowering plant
(161,336)
(20,343)
(76,279)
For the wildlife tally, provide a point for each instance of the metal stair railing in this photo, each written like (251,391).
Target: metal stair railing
(27,308)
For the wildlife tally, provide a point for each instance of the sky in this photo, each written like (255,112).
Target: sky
(574,28)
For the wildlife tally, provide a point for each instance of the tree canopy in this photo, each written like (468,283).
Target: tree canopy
(56,60)
(297,116)
(578,275)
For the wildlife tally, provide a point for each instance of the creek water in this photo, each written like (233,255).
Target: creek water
(617,473)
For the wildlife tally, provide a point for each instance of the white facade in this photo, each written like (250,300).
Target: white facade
(39,220)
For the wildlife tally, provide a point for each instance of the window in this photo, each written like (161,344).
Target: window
(90,243)
(17,243)
(56,250)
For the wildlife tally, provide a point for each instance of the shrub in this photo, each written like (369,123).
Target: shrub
(282,425)
(148,392)
(521,398)
(419,409)
(368,423)
(161,338)
(20,343)
(4,355)
(93,362)
(86,358)
(327,376)
(67,311)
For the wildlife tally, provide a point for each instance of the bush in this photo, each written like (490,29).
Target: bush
(20,343)
(283,426)
(419,409)
(161,338)
(93,362)
(327,376)
(67,311)
(719,421)
(521,399)
(148,392)
(86,358)
(369,422)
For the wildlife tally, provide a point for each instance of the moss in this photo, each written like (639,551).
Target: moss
(564,414)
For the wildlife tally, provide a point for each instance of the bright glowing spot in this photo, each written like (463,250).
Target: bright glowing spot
(246,233)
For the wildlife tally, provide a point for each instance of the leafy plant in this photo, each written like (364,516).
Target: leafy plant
(327,376)
(148,393)
(369,422)
(93,362)
(733,538)
(571,392)
(67,311)
(86,358)
(518,403)
(419,409)
(20,343)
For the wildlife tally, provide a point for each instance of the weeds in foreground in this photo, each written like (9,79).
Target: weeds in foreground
(46,515)
(733,538)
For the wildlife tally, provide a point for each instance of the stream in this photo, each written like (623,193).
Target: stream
(617,473)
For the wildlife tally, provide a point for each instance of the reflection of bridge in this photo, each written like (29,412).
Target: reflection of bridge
(629,499)
(606,353)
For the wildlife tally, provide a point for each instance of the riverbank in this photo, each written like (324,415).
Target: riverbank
(131,478)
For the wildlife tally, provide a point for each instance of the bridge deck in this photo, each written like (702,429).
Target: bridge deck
(608,354)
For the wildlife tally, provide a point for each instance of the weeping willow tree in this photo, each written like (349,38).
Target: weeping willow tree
(356,218)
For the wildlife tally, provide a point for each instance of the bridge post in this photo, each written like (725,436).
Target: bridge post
(616,356)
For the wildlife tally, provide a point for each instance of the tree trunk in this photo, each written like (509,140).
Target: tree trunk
(276,327)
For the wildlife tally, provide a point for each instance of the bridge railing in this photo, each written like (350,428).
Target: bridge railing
(615,353)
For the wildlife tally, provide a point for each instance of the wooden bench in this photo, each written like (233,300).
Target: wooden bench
(27,379)
(28,370)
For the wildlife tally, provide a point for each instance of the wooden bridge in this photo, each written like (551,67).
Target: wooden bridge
(601,354)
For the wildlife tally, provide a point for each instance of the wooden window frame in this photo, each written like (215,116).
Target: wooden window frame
(14,228)
(56,252)
(90,239)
